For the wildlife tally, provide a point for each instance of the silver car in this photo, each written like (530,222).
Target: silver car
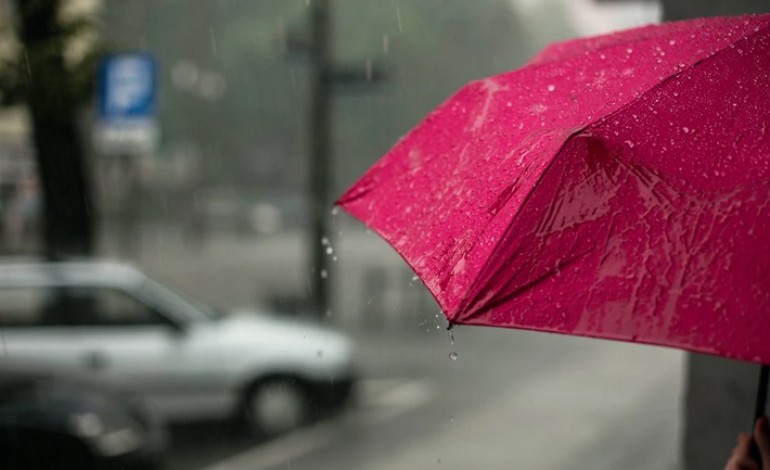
(189,362)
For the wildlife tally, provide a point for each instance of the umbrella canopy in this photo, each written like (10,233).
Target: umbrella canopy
(615,187)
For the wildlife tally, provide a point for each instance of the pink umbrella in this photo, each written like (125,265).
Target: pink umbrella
(614,187)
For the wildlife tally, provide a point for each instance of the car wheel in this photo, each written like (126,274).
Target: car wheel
(275,407)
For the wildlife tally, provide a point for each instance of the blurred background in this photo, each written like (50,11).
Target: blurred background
(202,144)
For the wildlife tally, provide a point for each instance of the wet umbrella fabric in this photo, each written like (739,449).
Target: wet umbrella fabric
(614,187)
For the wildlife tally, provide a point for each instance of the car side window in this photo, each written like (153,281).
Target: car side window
(27,307)
(110,307)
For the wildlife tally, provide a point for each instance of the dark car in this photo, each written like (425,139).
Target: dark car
(58,419)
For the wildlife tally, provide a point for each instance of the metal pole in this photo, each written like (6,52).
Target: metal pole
(320,152)
(759,407)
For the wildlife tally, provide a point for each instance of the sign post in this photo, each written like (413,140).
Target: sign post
(124,131)
(126,122)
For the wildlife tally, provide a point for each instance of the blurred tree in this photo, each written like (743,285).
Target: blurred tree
(48,64)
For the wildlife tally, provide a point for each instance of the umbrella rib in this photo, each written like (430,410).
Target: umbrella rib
(469,300)
(583,130)
(529,285)
(674,75)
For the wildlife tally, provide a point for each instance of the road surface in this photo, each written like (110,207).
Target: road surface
(511,400)
(516,400)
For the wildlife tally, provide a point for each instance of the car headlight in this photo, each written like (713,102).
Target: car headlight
(110,435)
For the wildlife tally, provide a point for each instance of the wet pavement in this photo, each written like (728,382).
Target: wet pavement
(512,399)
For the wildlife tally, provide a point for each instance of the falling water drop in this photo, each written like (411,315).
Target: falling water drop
(453,356)
(324,274)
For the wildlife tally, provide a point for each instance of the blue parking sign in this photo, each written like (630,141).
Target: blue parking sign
(127,87)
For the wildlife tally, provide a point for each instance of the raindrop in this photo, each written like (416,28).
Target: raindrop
(686,130)
(324,274)
(453,356)
(451,338)
(334,258)
(213,41)
(414,278)
(335,210)
(452,419)
(672,42)
(551,87)
(329,250)
(324,241)
(630,144)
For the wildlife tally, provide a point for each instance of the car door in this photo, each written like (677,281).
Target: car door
(32,329)
(177,366)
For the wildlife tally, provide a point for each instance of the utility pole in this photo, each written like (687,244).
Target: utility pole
(320,142)
(327,77)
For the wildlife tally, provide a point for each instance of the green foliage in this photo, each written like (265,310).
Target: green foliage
(72,38)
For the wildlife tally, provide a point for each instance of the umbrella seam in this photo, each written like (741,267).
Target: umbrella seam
(671,77)
(462,309)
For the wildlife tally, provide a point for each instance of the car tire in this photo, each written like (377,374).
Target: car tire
(276,406)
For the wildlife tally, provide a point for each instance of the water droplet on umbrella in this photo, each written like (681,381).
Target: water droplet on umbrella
(686,130)
(551,87)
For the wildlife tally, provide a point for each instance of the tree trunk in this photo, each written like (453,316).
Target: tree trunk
(67,215)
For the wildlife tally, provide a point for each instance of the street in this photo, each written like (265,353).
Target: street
(510,399)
